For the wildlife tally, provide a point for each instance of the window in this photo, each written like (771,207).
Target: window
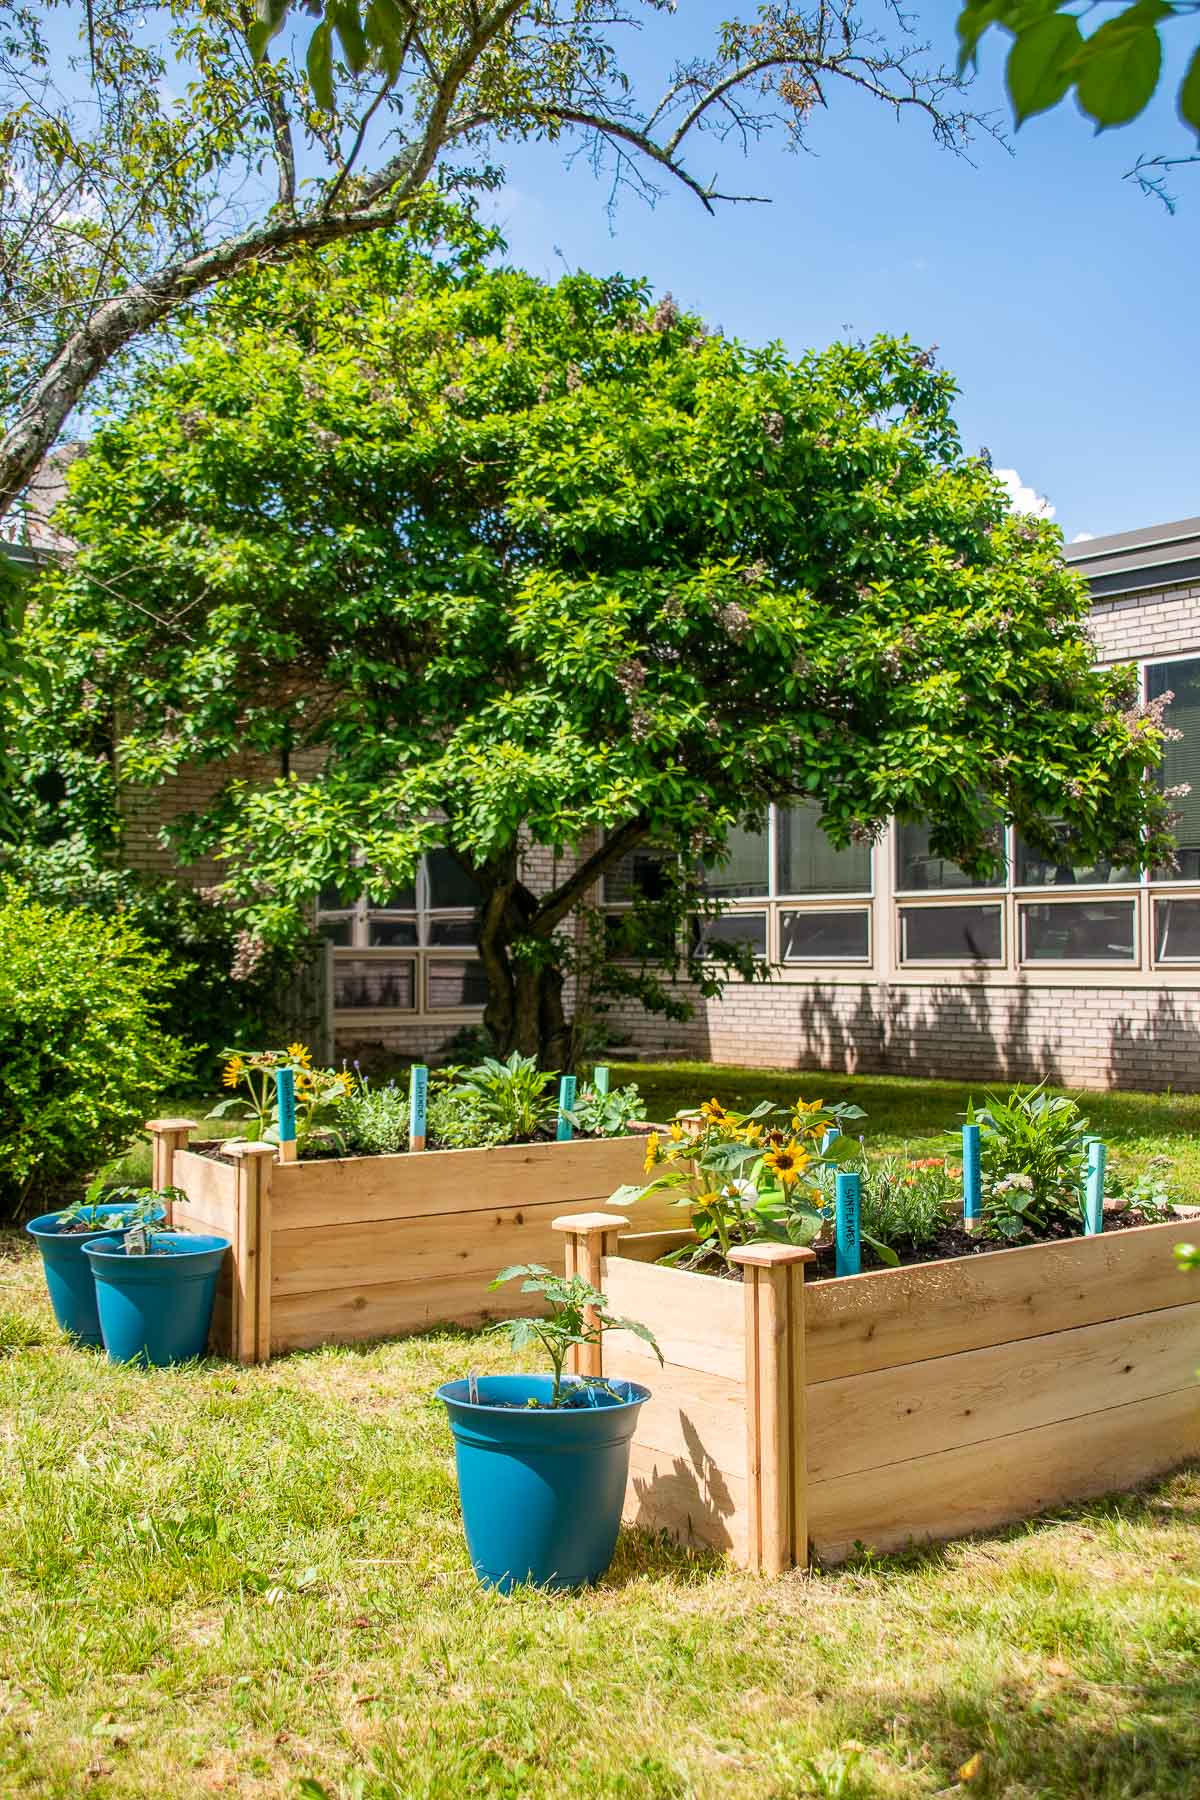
(1036,870)
(746,929)
(951,934)
(1181,761)
(453,983)
(825,936)
(1177,930)
(745,873)
(437,912)
(918,870)
(806,861)
(641,874)
(376,982)
(1081,931)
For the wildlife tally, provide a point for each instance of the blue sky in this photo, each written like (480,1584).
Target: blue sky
(1063,300)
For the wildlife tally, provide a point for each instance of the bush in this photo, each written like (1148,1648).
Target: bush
(83,1054)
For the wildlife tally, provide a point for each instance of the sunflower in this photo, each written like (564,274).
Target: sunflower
(800,1107)
(233,1071)
(346,1079)
(752,1132)
(786,1161)
(300,1053)
(677,1133)
(651,1152)
(713,1111)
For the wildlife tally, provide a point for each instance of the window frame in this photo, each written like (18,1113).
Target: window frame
(421,954)
(1090,896)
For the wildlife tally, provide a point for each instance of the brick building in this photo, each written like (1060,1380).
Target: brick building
(882,960)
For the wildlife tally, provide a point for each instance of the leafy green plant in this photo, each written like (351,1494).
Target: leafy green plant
(607,1115)
(907,1204)
(373,1121)
(83,1056)
(319,1093)
(578,1315)
(512,1096)
(456,1120)
(1149,1193)
(139,1206)
(1032,1160)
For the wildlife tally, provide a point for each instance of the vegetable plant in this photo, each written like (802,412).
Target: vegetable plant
(578,1315)
(1032,1160)
(607,1115)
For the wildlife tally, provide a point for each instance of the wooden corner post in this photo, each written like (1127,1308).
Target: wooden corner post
(251,1327)
(166,1137)
(777,1538)
(590,1238)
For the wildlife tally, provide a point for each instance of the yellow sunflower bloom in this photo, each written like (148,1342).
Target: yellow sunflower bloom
(800,1107)
(752,1132)
(713,1111)
(651,1152)
(300,1053)
(233,1071)
(787,1161)
(677,1133)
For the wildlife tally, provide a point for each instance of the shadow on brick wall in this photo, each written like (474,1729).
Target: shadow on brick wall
(1158,1051)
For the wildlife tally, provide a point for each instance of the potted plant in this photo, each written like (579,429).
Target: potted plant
(61,1236)
(155,1288)
(543,1460)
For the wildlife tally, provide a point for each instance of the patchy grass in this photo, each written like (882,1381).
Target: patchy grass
(252,1581)
(920,1115)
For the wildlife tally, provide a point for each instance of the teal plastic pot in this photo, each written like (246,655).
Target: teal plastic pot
(156,1308)
(68,1276)
(542,1488)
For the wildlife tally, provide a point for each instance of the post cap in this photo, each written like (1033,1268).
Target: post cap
(594,1221)
(771,1256)
(243,1147)
(170,1124)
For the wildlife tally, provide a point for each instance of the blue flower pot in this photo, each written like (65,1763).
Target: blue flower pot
(157,1308)
(68,1276)
(542,1489)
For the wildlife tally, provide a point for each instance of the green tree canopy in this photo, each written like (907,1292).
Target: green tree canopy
(555,564)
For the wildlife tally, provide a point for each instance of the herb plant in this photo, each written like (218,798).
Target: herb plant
(373,1121)
(578,1315)
(512,1096)
(607,1115)
(1032,1160)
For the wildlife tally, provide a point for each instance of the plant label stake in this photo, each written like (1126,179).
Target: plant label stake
(600,1080)
(566,1100)
(285,1098)
(418,1094)
(832,1134)
(849,1249)
(972,1178)
(1093,1204)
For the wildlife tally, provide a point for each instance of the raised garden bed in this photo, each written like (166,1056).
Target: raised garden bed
(343,1249)
(800,1418)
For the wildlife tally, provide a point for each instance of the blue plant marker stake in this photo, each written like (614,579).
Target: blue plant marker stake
(285,1100)
(832,1134)
(849,1248)
(972,1179)
(600,1080)
(566,1100)
(1093,1202)
(418,1094)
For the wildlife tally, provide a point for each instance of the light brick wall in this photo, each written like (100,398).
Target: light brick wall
(1162,623)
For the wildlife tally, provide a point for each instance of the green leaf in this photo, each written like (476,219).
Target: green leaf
(1189,94)
(883,1251)
(349,28)
(385,29)
(319,63)
(1119,68)
(642,1331)
(1037,74)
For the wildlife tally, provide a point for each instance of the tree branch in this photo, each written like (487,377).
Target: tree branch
(555,906)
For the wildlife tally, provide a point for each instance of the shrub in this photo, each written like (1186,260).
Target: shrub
(83,1054)
(1032,1156)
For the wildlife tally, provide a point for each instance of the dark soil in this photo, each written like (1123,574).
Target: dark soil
(952,1242)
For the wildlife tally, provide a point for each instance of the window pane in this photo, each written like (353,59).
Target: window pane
(453,931)
(748,929)
(744,875)
(337,931)
(824,936)
(631,939)
(393,932)
(1177,930)
(950,934)
(1036,870)
(1085,932)
(808,862)
(454,984)
(375,981)
(639,875)
(449,883)
(917,868)
(392,899)
(1181,761)
(331,899)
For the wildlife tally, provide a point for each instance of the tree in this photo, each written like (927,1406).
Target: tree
(168,152)
(553,564)
(1113,72)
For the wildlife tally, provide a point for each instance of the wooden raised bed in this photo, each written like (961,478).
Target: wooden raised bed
(905,1404)
(339,1250)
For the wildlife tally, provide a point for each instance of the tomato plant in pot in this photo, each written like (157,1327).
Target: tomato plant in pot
(543,1460)
(61,1237)
(155,1288)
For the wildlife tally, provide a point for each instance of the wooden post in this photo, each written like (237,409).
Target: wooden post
(776,1434)
(166,1137)
(1093,1203)
(566,1100)
(285,1101)
(848,1243)
(972,1179)
(418,1095)
(251,1327)
(590,1237)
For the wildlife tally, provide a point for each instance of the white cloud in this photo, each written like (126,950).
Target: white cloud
(1021,497)
(1083,537)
